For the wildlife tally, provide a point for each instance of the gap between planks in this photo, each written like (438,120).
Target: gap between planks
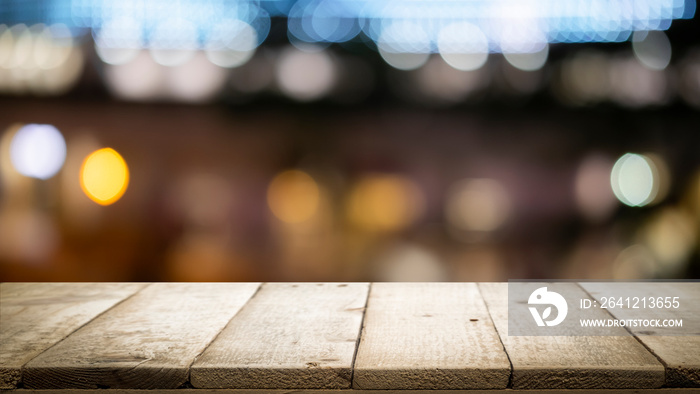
(429,336)
(146,342)
(572,362)
(188,383)
(359,338)
(680,355)
(54,311)
(289,336)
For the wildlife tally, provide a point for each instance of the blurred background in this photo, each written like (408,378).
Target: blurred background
(349,140)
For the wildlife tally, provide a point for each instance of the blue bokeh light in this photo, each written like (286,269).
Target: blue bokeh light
(533,22)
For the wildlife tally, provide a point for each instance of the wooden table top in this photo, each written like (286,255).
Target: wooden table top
(309,336)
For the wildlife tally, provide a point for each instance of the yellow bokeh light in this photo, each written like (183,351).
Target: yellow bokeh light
(383,202)
(104,176)
(293,196)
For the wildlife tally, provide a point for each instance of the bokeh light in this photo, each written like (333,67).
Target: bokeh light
(39,59)
(404,45)
(384,203)
(442,83)
(528,61)
(173,42)
(293,196)
(232,44)
(463,46)
(305,76)
(670,237)
(323,21)
(196,81)
(52,46)
(403,60)
(634,85)
(38,151)
(141,79)
(119,40)
(104,176)
(7,44)
(662,177)
(406,262)
(477,205)
(652,49)
(635,180)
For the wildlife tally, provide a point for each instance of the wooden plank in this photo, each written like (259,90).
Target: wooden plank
(679,354)
(146,342)
(572,362)
(288,336)
(314,391)
(429,336)
(35,316)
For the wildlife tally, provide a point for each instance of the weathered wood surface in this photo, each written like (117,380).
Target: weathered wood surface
(429,336)
(34,317)
(308,337)
(679,354)
(287,336)
(314,391)
(146,342)
(572,362)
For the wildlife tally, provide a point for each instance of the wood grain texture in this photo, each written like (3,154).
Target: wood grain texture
(571,362)
(146,342)
(679,354)
(288,336)
(316,391)
(34,316)
(429,336)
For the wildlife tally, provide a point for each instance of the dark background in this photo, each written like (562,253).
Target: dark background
(380,140)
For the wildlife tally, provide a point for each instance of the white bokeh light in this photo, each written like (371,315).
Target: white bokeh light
(52,46)
(652,49)
(140,79)
(196,81)
(305,76)
(232,44)
(404,45)
(119,41)
(38,151)
(633,180)
(463,46)
(173,42)
(528,61)
(404,60)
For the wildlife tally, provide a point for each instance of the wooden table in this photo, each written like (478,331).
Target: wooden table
(315,337)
